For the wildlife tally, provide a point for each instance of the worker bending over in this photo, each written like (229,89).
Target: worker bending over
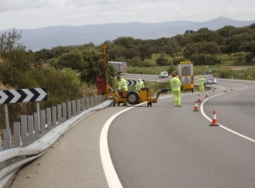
(139,84)
(175,85)
(122,84)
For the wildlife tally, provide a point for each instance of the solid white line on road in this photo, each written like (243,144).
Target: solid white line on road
(230,130)
(110,173)
(109,170)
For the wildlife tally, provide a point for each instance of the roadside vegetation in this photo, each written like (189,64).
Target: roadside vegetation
(68,72)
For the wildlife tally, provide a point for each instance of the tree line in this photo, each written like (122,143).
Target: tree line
(201,47)
(71,68)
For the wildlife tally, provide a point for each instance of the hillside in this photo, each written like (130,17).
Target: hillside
(48,37)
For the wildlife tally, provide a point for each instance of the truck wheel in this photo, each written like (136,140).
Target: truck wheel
(133,97)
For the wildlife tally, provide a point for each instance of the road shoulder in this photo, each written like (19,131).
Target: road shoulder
(72,161)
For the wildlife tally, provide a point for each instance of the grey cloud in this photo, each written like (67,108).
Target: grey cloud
(24,4)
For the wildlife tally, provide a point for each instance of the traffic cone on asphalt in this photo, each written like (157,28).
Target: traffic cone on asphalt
(232,88)
(214,120)
(196,107)
(206,95)
(225,90)
(198,100)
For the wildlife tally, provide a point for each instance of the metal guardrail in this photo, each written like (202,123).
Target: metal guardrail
(11,159)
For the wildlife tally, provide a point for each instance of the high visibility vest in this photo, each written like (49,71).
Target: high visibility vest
(201,81)
(122,84)
(175,84)
(139,85)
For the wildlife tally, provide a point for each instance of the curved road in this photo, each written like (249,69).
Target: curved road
(165,146)
(158,146)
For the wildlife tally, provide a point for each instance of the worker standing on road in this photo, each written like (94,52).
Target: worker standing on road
(122,84)
(139,84)
(201,83)
(175,85)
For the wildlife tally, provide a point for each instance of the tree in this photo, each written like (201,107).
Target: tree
(9,42)
(227,31)
(252,26)
(145,50)
(45,55)
(171,47)
(126,42)
(237,43)
(16,62)
(73,60)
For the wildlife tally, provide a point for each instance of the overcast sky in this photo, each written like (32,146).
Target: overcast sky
(30,14)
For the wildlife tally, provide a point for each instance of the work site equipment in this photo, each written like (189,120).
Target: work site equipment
(136,97)
(118,97)
(214,120)
(185,73)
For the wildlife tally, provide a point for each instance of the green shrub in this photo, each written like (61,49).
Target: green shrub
(248,58)
(225,74)
(249,77)
(162,61)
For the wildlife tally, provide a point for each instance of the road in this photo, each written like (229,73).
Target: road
(165,146)
(159,146)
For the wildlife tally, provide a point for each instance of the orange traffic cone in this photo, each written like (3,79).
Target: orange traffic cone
(214,120)
(225,90)
(198,100)
(196,107)
(213,89)
(232,88)
(206,95)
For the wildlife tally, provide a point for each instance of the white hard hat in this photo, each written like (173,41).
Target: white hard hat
(140,79)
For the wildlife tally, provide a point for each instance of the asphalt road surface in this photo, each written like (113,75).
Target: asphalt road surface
(156,147)
(167,146)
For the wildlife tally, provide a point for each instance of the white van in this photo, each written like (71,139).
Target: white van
(163,74)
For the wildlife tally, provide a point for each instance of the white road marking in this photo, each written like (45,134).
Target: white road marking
(109,170)
(230,130)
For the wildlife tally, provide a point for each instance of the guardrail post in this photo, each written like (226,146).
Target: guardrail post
(98,99)
(82,104)
(95,100)
(87,103)
(91,104)
(78,105)
(30,129)
(48,117)
(54,116)
(36,125)
(42,124)
(73,108)
(64,111)
(59,114)
(7,139)
(23,119)
(69,110)
(16,126)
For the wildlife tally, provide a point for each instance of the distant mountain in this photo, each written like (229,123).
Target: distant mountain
(49,37)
